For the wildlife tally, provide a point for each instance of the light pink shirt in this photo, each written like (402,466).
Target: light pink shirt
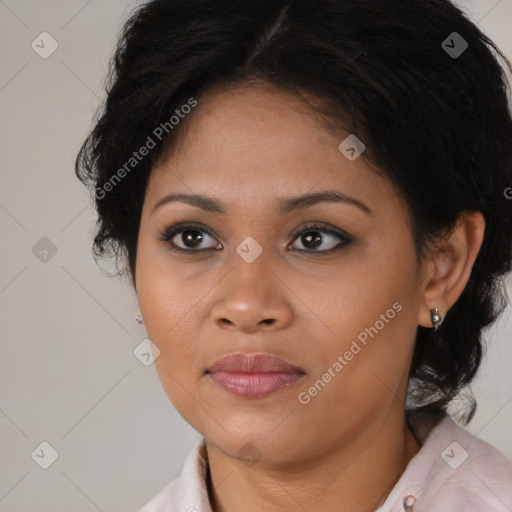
(454,471)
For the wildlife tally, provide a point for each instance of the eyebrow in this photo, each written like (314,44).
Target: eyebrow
(288,205)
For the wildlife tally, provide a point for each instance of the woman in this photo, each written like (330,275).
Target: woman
(310,199)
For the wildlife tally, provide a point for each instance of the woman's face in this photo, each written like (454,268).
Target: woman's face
(340,309)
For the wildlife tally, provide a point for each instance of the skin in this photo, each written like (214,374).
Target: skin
(248,148)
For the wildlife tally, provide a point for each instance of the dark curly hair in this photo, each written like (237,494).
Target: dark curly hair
(435,121)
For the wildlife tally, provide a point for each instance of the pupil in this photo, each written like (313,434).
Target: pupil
(311,239)
(188,237)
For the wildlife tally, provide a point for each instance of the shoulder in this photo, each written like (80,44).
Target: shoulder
(454,470)
(469,473)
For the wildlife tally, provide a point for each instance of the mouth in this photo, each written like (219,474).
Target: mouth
(253,375)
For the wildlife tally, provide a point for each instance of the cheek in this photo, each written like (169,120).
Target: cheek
(167,307)
(365,375)
(372,313)
(371,300)
(169,319)
(162,298)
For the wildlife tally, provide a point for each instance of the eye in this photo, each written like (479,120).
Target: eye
(193,238)
(188,238)
(311,238)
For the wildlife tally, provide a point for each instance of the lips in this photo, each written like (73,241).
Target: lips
(253,363)
(253,375)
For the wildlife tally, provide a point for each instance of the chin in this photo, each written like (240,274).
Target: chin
(255,439)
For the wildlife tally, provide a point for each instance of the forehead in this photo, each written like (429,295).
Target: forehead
(271,123)
(256,143)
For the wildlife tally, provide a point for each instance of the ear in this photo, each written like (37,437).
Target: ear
(450,265)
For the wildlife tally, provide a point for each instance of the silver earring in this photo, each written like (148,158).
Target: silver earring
(138,319)
(436,319)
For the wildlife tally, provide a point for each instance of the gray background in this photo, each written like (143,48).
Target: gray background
(68,374)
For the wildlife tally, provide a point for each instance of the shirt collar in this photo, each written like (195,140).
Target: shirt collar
(431,431)
(194,477)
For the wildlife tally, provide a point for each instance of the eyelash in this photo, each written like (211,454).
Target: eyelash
(167,235)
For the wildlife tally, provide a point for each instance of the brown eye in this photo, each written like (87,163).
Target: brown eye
(189,238)
(321,238)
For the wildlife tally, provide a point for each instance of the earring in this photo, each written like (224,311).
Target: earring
(436,319)
(138,319)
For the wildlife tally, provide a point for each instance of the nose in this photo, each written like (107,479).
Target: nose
(252,297)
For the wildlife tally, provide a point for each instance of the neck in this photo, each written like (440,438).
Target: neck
(359,475)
